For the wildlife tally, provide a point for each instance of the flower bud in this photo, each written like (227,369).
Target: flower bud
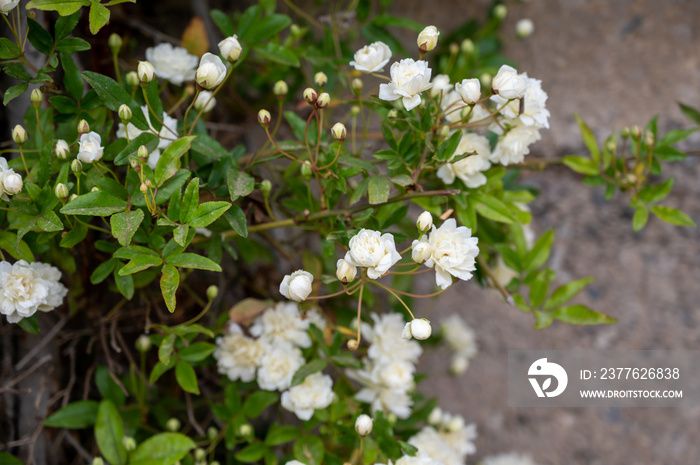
(391,418)
(173,425)
(636,131)
(115,43)
(76,167)
(353,344)
(62,149)
(266,187)
(339,132)
(320,79)
(420,328)
(61,191)
(345,272)
(485,80)
(98,461)
(454,48)
(200,454)
(435,416)
(212,292)
(129,443)
(143,343)
(363,425)
(264,118)
(149,183)
(306,170)
(145,72)
(354,110)
(428,39)
(456,423)
(524,28)
(143,187)
(443,132)
(135,164)
(296,31)
(132,78)
(393,113)
(469,90)
(467,46)
(280,90)
(424,222)
(625,133)
(297,286)
(323,100)
(36,98)
(125,113)
(230,48)
(19,135)
(459,364)
(142,153)
(500,11)
(649,138)
(212,433)
(12,183)
(83,127)
(205,101)
(310,95)
(357,85)
(245,430)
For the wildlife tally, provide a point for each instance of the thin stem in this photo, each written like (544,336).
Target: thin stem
(117,73)
(291,157)
(506,295)
(24,162)
(38,124)
(319,124)
(157,117)
(381,76)
(303,13)
(365,128)
(337,155)
(346,290)
(198,317)
(392,292)
(213,94)
(92,226)
(359,313)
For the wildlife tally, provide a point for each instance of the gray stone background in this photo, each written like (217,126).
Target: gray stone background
(615,63)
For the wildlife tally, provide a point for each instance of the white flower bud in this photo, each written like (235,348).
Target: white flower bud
(353,344)
(345,272)
(125,113)
(76,167)
(212,292)
(266,187)
(36,98)
(363,425)
(406,332)
(264,118)
(230,48)
(212,433)
(428,39)
(142,153)
(205,102)
(649,138)
(421,251)
(467,46)
(354,110)
(357,85)
(456,423)
(297,286)
(83,127)
(211,71)
(115,42)
(508,83)
(132,78)
(146,72)
(339,132)
(500,11)
(72,197)
(310,95)
(469,90)
(200,454)
(320,79)
(173,425)
(143,343)
(62,149)
(435,417)
(425,221)
(393,113)
(12,183)
(459,364)
(524,28)
(306,170)
(323,100)
(129,443)
(61,191)
(420,328)
(94,189)
(143,187)
(19,135)
(245,430)
(281,88)
(636,131)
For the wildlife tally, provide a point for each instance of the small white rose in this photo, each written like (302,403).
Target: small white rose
(90,149)
(373,250)
(454,252)
(12,182)
(508,83)
(345,271)
(372,58)
(420,328)
(174,64)
(297,286)
(62,149)
(441,84)
(363,425)
(425,221)
(230,48)
(211,71)
(469,90)
(408,79)
(205,101)
(428,39)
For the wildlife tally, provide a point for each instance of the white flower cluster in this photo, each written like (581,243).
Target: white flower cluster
(387,375)
(509,459)
(462,340)
(28,287)
(447,440)
(167,134)
(273,355)
(174,64)
(10,182)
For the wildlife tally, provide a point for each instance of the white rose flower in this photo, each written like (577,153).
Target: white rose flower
(167,134)
(282,323)
(469,90)
(211,71)
(421,458)
(364,424)
(372,58)
(174,64)
(314,393)
(345,271)
(7,5)
(153,158)
(373,250)
(508,83)
(394,374)
(62,149)
(11,182)
(469,169)
(230,48)
(454,252)
(386,342)
(428,39)
(297,286)
(90,149)
(441,85)
(52,278)
(22,290)
(429,441)
(515,144)
(205,101)
(512,458)
(396,401)
(459,436)
(408,79)
(278,365)
(534,99)
(420,328)
(238,356)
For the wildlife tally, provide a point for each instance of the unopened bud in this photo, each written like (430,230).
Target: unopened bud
(266,187)
(611,145)
(146,72)
(94,189)
(625,133)
(115,43)
(524,28)
(76,167)
(310,95)
(435,416)
(467,46)
(428,39)
(12,183)
(135,164)
(212,292)
(62,149)
(143,187)
(132,78)
(636,131)
(339,132)
(149,183)
(420,328)
(500,11)
(306,170)
(354,110)
(143,343)
(424,222)
(245,430)
(36,98)
(173,425)
(345,271)
(443,132)
(323,100)
(280,90)
(129,443)
(264,118)
(83,127)
(199,454)
(61,191)
(72,197)
(454,48)
(212,433)
(485,80)
(296,31)
(649,138)
(392,419)
(353,344)
(142,153)
(19,135)
(357,85)
(98,461)
(320,79)
(125,113)
(363,425)
(393,113)
(459,364)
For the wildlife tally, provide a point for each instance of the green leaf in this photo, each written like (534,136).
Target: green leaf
(543,319)
(113,96)
(378,189)
(109,431)
(278,53)
(257,402)
(80,414)
(191,260)
(236,218)
(309,450)
(8,459)
(30,324)
(107,387)
(280,434)
(240,184)
(140,263)
(180,235)
(581,315)
(345,360)
(673,137)
(39,37)
(103,270)
(64,7)
(566,292)
(310,368)
(447,148)
(669,154)
(358,162)
(196,352)
(251,453)
(186,377)
(99,16)
(14,92)
(162,449)
(266,27)
(655,193)
(19,250)
(540,252)
(147,139)
(672,215)
(169,282)
(402,180)
(492,208)
(223,22)
(125,224)
(169,161)
(8,49)
(72,45)
(190,201)
(158,370)
(589,140)
(96,203)
(71,76)
(65,25)
(165,349)
(691,113)
(207,213)
(641,216)
(539,288)
(125,284)
(581,165)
